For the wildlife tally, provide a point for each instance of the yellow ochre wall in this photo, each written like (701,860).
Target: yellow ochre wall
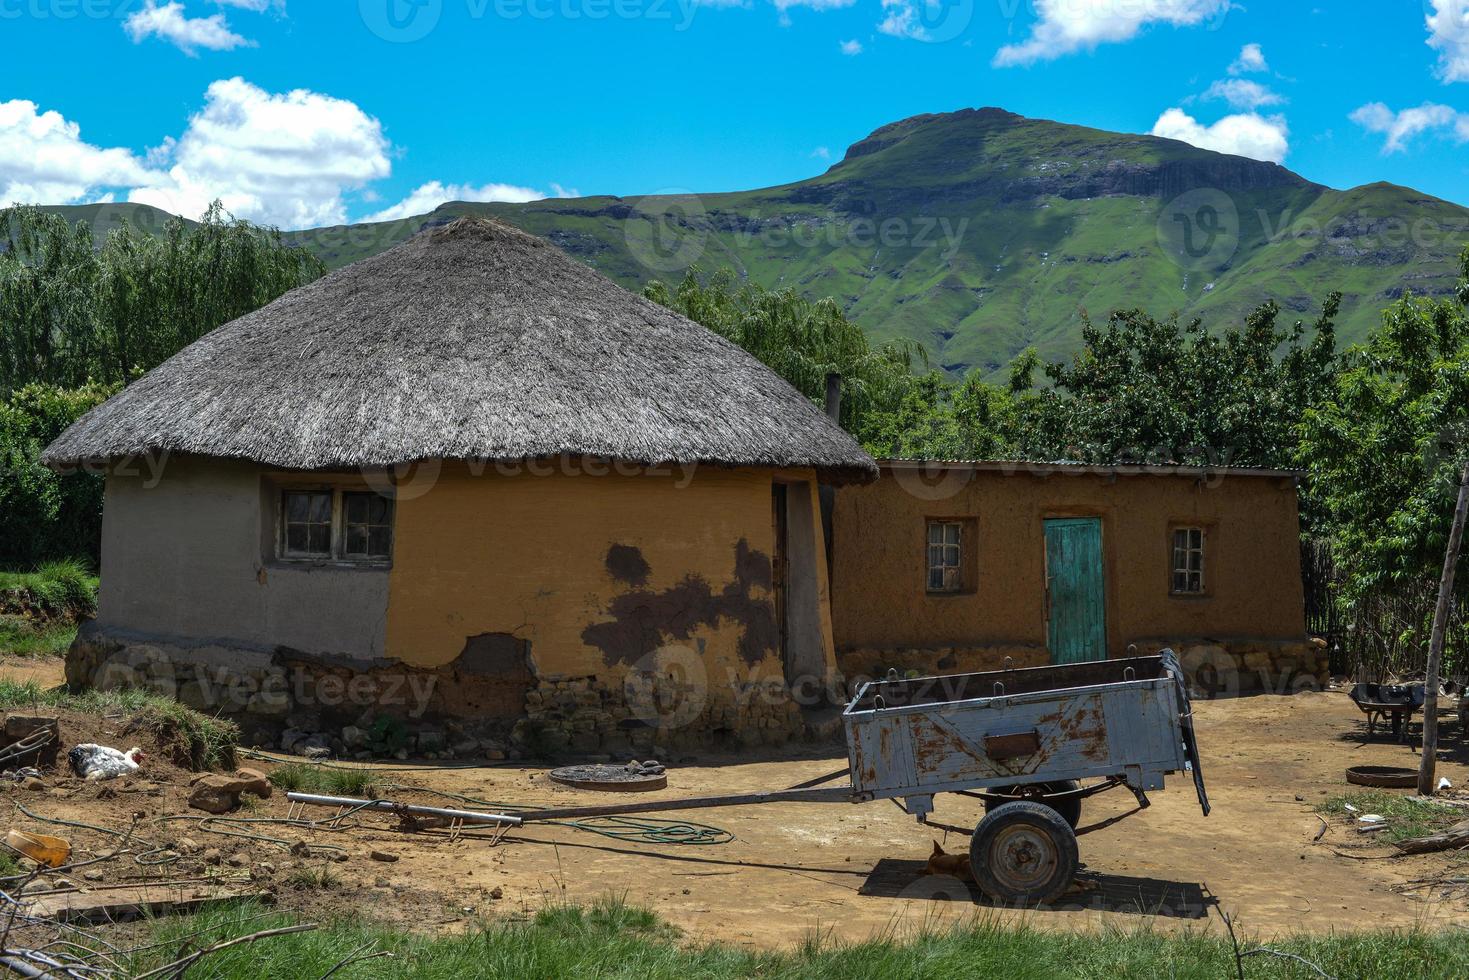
(1252,559)
(527,555)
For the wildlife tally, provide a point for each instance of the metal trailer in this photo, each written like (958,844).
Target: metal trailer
(1021,740)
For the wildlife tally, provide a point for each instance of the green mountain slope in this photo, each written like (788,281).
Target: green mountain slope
(981,232)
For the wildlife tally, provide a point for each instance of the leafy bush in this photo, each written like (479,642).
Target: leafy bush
(46,515)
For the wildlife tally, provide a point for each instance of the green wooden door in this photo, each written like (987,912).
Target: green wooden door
(1074,594)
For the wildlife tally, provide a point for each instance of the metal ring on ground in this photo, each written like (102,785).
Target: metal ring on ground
(1383,777)
(616,779)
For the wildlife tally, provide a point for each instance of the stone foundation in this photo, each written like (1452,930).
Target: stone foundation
(297,701)
(1215,668)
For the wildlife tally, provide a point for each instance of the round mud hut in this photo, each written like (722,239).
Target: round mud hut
(467,492)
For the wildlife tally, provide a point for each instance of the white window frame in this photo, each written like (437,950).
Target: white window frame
(951,573)
(337,534)
(1195,542)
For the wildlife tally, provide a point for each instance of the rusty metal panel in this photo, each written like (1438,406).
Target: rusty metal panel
(923,745)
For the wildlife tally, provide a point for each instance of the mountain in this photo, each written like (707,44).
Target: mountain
(981,232)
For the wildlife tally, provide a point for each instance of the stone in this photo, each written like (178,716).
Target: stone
(239,859)
(497,893)
(353,737)
(465,747)
(383,856)
(430,741)
(495,755)
(214,793)
(188,845)
(32,783)
(92,875)
(212,855)
(290,737)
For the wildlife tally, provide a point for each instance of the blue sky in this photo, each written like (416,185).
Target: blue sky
(299,114)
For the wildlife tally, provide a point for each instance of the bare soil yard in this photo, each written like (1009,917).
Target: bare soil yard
(793,869)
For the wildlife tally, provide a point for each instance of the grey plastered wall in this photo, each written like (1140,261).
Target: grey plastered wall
(186,560)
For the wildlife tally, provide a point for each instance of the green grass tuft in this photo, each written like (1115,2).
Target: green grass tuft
(306,777)
(1405,817)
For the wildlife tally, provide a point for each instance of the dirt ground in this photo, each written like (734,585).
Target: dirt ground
(846,871)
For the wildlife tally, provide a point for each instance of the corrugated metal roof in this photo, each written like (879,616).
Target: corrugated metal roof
(1040,467)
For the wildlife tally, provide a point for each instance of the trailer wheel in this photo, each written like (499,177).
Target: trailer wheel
(1069,809)
(1023,853)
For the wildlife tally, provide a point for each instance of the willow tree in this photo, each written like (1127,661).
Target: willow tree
(800,339)
(73,310)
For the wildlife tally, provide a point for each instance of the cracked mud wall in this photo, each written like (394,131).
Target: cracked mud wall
(591,572)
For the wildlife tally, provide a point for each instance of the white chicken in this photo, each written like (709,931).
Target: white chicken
(94,762)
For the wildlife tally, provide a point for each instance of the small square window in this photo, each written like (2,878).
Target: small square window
(1188,561)
(306,524)
(945,556)
(368,525)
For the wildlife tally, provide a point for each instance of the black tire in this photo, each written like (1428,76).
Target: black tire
(1023,853)
(1070,809)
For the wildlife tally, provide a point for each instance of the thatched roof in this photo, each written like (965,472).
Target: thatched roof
(473,340)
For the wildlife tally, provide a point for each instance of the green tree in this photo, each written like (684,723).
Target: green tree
(801,340)
(1145,390)
(71,312)
(45,514)
(1384,448)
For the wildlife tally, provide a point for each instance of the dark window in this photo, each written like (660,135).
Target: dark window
(945,556)
(307,524)
(368,525)
(336,524)
(1188,560)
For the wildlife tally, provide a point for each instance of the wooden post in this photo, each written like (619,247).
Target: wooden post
(827,494)
(1436,640)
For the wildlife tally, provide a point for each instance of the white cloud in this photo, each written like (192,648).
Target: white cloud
(1251,59)
(1242,93)
(785,6)
(1247,134)
(282,159)
(1067,26)
(43,160)
(821,153)
(1401,127)
(1448,34)
(424,199)
(852,47)
(255,6)
(188,34)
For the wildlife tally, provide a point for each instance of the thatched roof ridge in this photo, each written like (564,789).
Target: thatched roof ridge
(473,340)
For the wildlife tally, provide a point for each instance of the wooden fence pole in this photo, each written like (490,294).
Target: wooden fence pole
(1436,640)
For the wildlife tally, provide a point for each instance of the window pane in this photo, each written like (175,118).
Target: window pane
(356,540)
(297,505)
(319,538)
(321,508)
(354,507)
(951,534)
(935,533)
(377,509)
(380,542)
(295,537)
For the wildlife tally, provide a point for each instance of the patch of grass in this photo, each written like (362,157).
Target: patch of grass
(320,878)
(613,939)
(61,588)
(306,777)
(20,637)
(189,738)
(1405,816)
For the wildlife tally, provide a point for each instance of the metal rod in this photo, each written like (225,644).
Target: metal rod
(468,816)
(837,794)
(844,771)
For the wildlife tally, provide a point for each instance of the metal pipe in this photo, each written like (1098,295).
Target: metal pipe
(468,816)
(837,794)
